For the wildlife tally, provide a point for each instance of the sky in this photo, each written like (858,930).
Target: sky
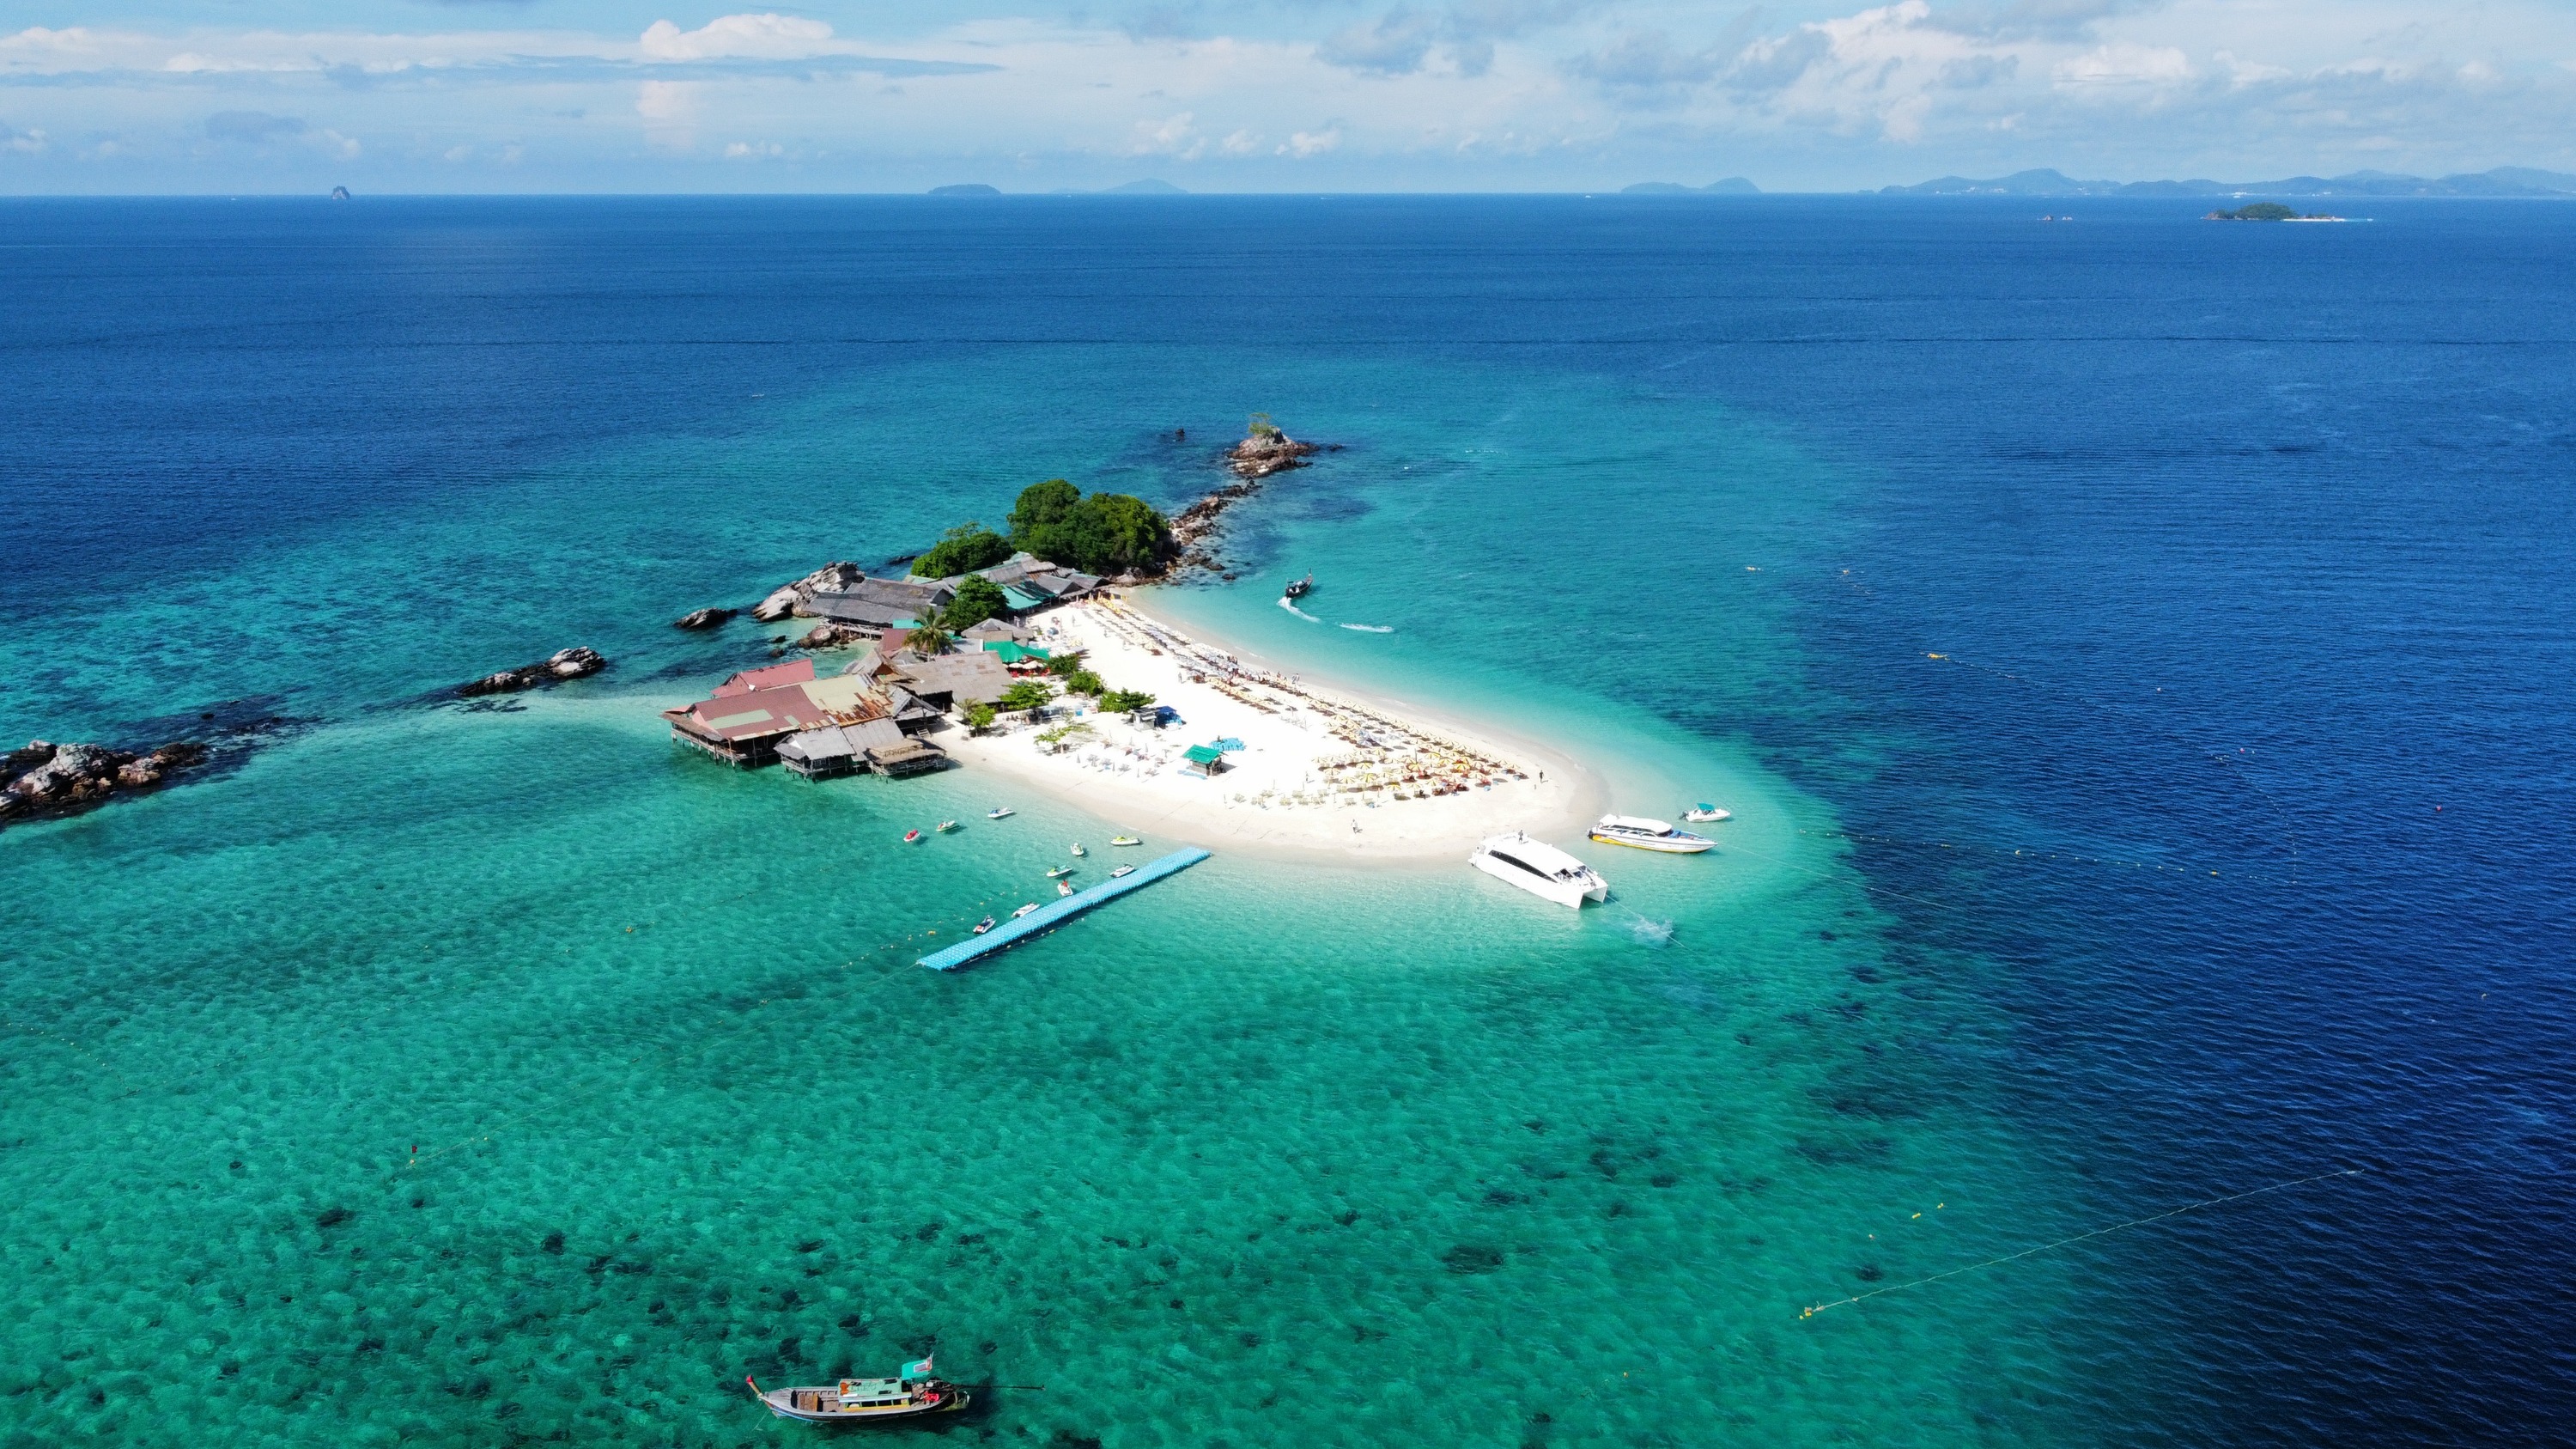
(385,96)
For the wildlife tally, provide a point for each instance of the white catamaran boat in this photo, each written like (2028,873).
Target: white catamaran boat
(1542,870)
(1647,834)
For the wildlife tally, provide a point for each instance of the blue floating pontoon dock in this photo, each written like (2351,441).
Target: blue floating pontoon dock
(1054,912)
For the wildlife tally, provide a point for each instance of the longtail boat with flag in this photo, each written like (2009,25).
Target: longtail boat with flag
(915,1392)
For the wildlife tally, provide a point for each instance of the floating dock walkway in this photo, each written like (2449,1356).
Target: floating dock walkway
(1055,912)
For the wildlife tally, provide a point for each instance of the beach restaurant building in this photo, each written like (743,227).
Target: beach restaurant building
(751,713)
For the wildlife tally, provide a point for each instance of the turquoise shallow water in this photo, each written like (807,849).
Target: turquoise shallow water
(544,1079)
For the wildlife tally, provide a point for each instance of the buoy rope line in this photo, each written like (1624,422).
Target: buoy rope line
(2236,763)
(2231,763)
(2020,853)
(1813,1310)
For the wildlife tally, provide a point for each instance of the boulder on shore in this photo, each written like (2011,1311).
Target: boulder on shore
(835,636)
(702,619)
(563,664)
(792,598)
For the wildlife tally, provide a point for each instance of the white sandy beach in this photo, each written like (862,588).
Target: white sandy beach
(1323,771)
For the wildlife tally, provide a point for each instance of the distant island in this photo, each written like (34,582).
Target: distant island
(2502,181)
(2268,211)
(1731,186)
(1146,187)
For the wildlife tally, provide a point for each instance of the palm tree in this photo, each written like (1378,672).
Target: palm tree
(927,639)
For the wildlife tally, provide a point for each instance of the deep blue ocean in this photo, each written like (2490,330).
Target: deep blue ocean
(2161,636)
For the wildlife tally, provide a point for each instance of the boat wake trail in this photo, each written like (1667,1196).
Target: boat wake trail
(1291,606)
(1372,628)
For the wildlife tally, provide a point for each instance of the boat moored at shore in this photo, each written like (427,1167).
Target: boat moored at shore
(1541,869)
(1644,834)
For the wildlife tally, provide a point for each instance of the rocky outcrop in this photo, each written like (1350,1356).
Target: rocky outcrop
(1192,526)
(1268,451)
(836,636)
(792,598)
(563,664)
(46,777)
(703,618)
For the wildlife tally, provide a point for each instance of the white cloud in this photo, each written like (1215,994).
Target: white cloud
(759,37)
(2124,64)
(667,100)
(1434,93)
(1393,45)
(25,143)
(1172,136)
(753,150)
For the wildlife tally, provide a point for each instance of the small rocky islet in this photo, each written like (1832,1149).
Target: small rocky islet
(46,778)
(563,664)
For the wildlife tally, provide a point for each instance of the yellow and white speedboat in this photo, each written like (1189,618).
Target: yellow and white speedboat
(1645,834)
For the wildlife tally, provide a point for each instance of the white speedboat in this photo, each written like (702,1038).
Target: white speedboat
(1064,888)
(1542,870)
(1647,834)
(1078,850)
(1024,910)
(1000,813)
(1122,870)
(1706,814)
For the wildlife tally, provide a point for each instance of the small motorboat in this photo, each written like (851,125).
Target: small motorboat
(1124,840)
(1300,588)
(916,1392)
(999,812)
(1060,872)
(912,837)
(1122,870)
(1644,834)
(1024,910)
(983,925)
(947,825)
(1078,850)
(1705,813)
(1064,888)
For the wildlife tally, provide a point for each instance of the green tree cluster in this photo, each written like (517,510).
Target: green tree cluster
(1124,701)
(1083,681)
(963,549)
(1103,533)
(1064,663)
(978,599)
(979,716)
(1026,694)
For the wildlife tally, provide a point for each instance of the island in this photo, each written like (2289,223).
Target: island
(2267,211)
(1023,650)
